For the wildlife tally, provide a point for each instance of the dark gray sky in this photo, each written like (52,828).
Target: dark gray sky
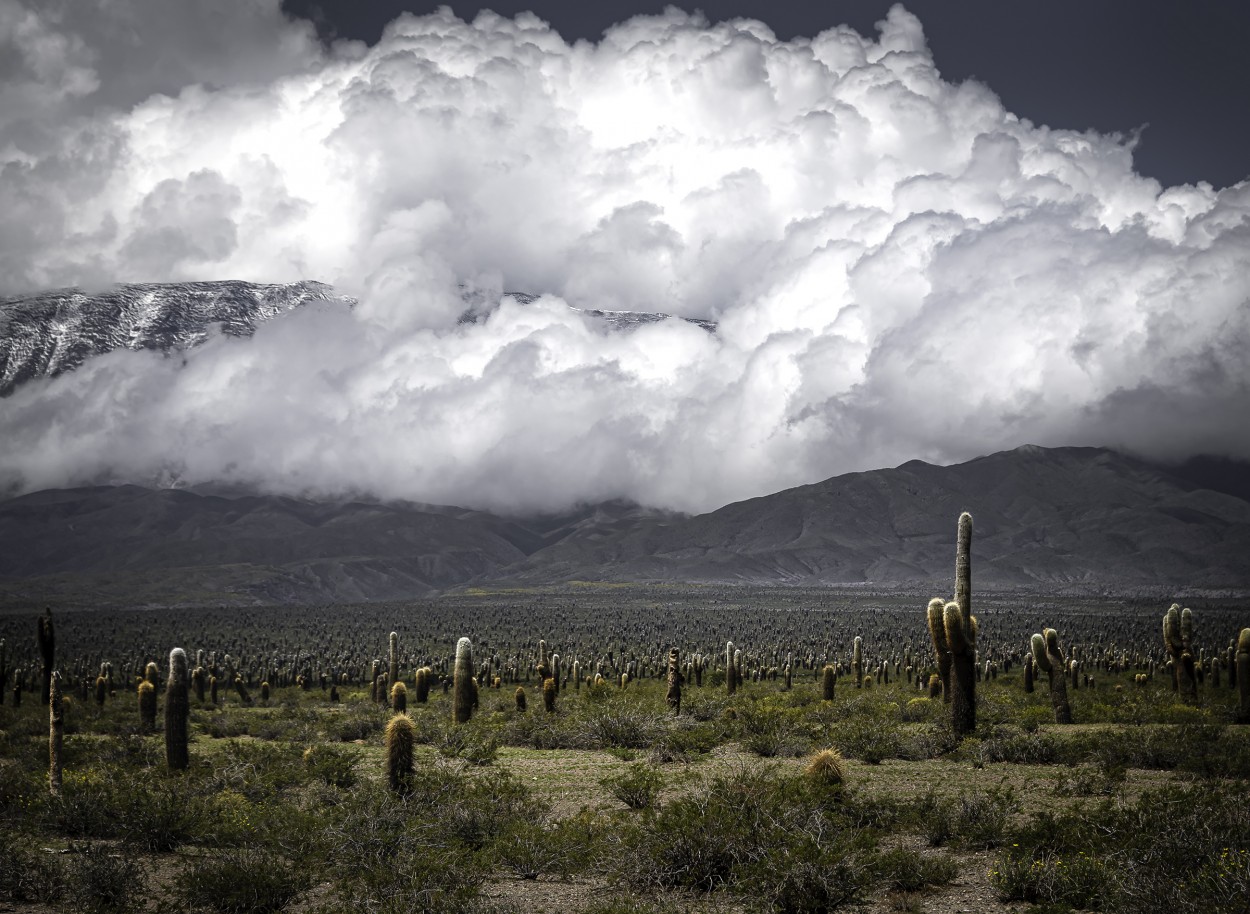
(1182,68)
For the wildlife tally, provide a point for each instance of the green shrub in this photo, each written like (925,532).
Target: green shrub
(241,882)
(638,787)
(1079,881)
(905,870)
(101,879)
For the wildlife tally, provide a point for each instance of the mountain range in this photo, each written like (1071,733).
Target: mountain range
(1045,518)
(45,334)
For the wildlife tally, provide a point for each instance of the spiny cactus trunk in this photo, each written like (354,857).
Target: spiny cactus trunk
(549,695)
(56,733)
(392,669)
(1243,676)
(423,684)
(399,698)
(147,706)
(673,696)
(1028,674)
(177,708)
(961,635)
(731,677)
(828,682)
(463,690)
(400,737)
(1049,658)
(937,631)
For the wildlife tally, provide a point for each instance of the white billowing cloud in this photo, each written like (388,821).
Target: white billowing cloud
(900,267)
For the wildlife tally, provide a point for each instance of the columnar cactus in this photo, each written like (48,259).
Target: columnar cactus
(549,695)
(1028,673)
(152,673)
(47,650)
(1243,676)
(177,708)
(542,667)
(392,669)
(555,671)
(520,699)
(937,631)
(199,677)
(1178,632)
(56,733)
(400,737)
(828,681)
(673,696)
(1050,660)
(857,660)
(399,697)
(731,677)
(464,689)
(961,635)
(147,706)
(422,684)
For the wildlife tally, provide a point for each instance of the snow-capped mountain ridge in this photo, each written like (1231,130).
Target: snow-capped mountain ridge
(56,331)
(48,333)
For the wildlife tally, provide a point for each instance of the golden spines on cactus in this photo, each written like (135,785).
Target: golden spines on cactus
(520,698)
(400,738)
(399,698)
(826,767)
(422,684)
(549,695)
(935,685)
(828,681)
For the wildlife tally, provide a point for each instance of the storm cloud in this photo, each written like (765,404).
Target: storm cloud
(900,267)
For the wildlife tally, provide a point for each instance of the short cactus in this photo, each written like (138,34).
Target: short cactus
(520,699)
(399,698)
(400,738)
(549,695)
(828,681)
(826,768)
(422,684)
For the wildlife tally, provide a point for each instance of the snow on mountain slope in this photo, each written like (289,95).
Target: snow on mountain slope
(53,332)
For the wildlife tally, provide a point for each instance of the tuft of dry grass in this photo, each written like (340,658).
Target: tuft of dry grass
(826,767)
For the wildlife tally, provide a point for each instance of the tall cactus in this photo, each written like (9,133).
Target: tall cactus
(47,650)
(1050,660)
(731,676)
(937,631)
(147,706)
(857,661)
(960,626)
(1178,634)
(464,690)
(828,682)
(177,708)
(1243,676)
(673,696)
(56,733)
(392,669)
(422,683)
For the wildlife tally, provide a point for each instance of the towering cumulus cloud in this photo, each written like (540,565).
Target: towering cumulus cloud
(899,267)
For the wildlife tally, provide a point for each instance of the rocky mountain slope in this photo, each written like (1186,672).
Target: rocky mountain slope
(52,332)
(1046,518)
(49,333)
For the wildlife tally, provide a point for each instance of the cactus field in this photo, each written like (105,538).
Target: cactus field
(635,748)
